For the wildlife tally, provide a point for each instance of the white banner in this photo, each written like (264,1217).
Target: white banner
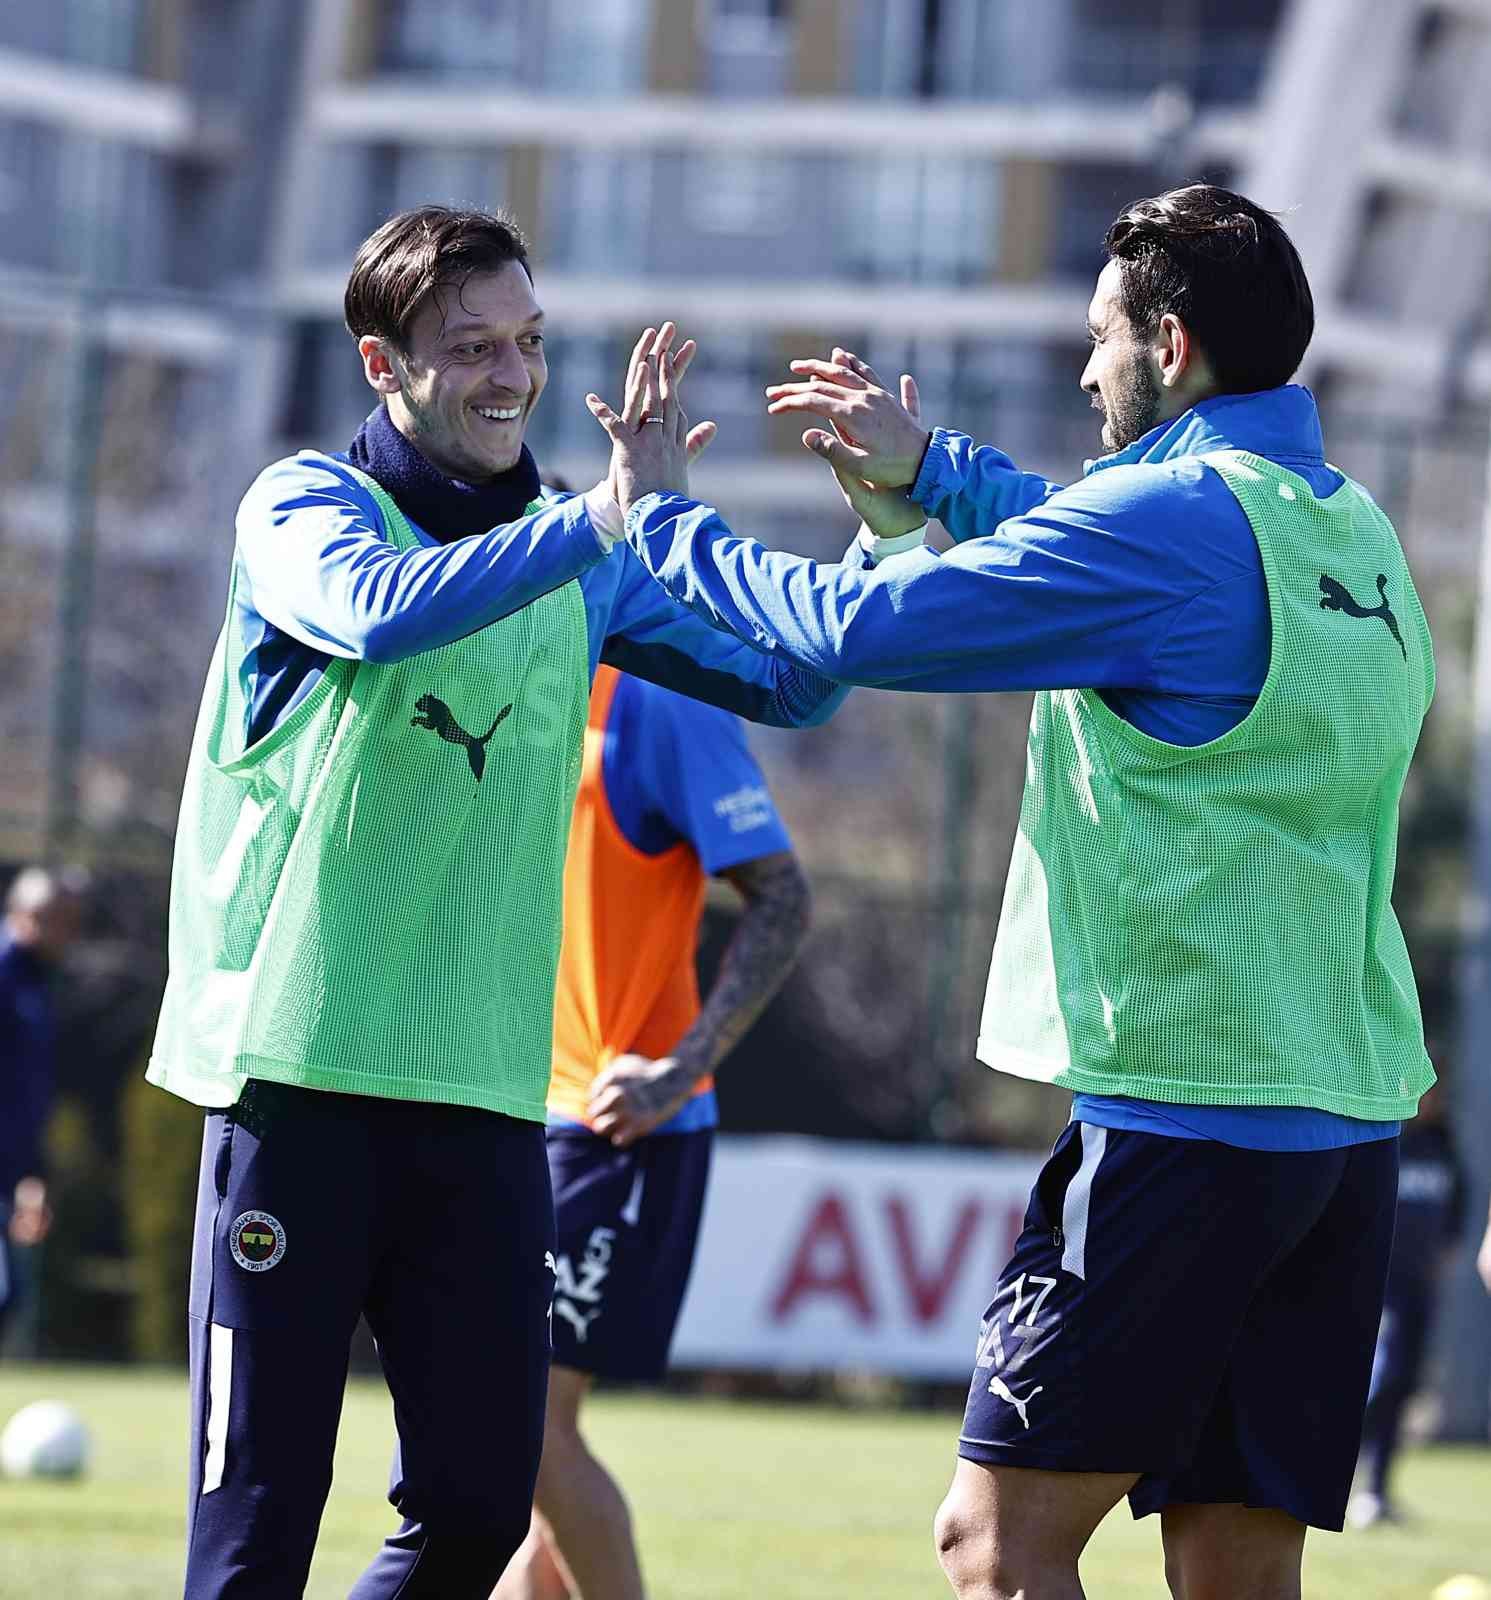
(818,1255)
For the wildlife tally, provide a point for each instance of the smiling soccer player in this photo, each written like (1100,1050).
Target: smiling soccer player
(365,918)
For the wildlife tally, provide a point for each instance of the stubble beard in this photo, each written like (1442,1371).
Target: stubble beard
(425,434)
(1134,408)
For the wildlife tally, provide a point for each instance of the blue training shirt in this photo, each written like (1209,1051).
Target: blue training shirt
(1142,581)
(316,580)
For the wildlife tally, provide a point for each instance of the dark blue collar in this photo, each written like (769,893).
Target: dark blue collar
(445,508)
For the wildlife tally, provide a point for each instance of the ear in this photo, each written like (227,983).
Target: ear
(378,365)
(1174,351)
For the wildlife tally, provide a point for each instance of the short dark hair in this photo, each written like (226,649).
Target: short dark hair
(1228,270)
(418,253)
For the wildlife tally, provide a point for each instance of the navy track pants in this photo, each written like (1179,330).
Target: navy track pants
(436,1222)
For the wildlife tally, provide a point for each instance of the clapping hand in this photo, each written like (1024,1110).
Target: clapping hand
(888,435)
(652,443)
(876,445)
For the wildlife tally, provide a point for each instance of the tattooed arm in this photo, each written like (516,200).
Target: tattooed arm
(635,1095)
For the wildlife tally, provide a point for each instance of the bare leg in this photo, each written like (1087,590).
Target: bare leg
(580,1519)
(1016,1533)
(534,1573)
(1219,1552)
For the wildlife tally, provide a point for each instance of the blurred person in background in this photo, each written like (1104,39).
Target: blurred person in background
(365,918)
(669,795)
(1430,1220)
(1197,939)
(43,912)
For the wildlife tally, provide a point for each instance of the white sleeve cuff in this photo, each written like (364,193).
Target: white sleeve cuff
(878,549)
(605,516)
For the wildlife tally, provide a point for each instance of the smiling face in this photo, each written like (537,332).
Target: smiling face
(464,380)
(1122,374)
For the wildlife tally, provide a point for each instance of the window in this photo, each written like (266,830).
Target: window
(447,176)
(889,50)
(751,11)
(747,47)
(456,38)
(95,33)
(928,218)
(739,194)
(599,46)
(598,211)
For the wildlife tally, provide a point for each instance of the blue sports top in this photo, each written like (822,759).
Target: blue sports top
(316,579)
(1142,581)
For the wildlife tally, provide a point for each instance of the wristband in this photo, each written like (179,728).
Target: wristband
(877,549)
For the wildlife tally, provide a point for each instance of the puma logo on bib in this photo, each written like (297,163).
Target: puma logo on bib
(434,714)
(1338,598)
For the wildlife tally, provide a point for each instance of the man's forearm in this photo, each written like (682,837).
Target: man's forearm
(779,604)
(756,962)
(971,621)
(654,636)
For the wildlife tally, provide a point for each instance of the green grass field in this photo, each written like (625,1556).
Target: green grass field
(733,1501)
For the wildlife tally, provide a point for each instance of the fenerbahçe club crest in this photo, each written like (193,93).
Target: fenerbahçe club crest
(257,1241)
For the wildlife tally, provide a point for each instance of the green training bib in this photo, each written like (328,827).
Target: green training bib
(1212,925)
(368,899)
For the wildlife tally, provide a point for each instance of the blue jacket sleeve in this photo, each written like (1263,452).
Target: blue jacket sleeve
(971,489)
(653,636)
(1079,593)
(318,567)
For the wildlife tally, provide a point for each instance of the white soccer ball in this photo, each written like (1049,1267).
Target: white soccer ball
(1465,1586)
(44,1440)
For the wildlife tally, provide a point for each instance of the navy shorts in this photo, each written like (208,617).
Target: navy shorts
(627,1222)
(1198,1314)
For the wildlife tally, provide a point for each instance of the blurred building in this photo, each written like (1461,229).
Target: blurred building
(927,177)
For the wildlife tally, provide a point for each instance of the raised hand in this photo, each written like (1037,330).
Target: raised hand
(652,443)
(888,438)
(887,513)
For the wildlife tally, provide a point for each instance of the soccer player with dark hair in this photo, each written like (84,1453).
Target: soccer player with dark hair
(365,916)
(1232,668)
(669,795)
